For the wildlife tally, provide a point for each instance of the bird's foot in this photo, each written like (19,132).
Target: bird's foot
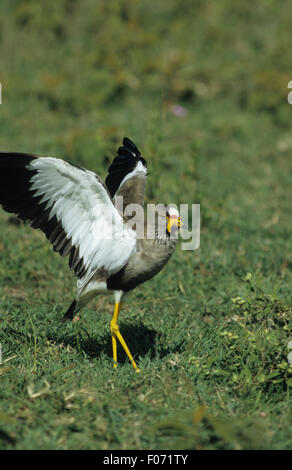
(116,334)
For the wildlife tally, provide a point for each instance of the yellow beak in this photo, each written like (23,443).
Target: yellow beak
(173,222)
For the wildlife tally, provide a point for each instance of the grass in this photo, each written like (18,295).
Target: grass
(210,333)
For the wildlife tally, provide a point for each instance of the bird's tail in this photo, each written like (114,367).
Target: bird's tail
(72,310)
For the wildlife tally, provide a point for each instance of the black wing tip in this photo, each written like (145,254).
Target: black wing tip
(129,144)
(132,147)
(14,154)
(128,155)
(16,159)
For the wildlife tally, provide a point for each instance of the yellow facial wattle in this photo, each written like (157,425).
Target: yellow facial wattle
(173,221)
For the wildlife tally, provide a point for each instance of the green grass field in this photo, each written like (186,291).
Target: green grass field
(210,333)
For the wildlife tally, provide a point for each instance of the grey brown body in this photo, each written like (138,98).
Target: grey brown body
(151,257)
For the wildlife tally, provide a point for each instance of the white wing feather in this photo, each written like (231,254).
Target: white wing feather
(82,204)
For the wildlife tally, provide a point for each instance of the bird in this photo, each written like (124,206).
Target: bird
(86,218)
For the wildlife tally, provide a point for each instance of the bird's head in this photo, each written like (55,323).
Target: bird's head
(167,221)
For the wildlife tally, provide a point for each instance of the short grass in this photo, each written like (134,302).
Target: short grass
(210,333)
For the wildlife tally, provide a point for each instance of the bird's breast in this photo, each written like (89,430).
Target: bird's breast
(149,259)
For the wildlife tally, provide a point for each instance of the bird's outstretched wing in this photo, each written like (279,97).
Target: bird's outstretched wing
(127,174)
(72,207)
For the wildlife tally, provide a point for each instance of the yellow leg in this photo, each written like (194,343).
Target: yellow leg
(116,334)
(113,332)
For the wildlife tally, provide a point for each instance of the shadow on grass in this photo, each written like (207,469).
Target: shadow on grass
(140,340)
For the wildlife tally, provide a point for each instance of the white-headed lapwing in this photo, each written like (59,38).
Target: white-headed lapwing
(78,214)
